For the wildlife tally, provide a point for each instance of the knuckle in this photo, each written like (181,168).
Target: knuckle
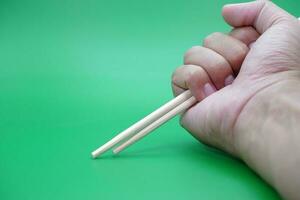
(191,52)
(240,53)
(246,29)
(189,72)
(208,39)
(216,34)
(177,75)
(174,75)
(243,30)
(184,75)
(200,73)
(244,49)
(222,65)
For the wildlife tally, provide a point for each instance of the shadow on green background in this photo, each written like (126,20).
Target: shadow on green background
(75,73)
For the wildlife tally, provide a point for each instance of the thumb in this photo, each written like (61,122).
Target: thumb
(211,121)
(259,14)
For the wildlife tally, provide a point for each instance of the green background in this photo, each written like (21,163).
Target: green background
(75,73)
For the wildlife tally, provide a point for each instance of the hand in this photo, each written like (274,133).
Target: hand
(238,116)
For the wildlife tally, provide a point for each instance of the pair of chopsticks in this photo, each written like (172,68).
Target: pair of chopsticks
(148,124)
(143,127)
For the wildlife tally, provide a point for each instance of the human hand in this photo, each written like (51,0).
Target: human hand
(263,52)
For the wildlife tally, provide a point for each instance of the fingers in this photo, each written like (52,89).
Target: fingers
(259,14)
(194,78)
(246,34)
(210,68)
(213,63)
(219,65)
(233,50)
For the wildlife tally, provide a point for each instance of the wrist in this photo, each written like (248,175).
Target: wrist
(266,135)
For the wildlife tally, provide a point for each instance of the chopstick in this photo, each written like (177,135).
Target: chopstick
(180,108)
(149,123)
(143,123)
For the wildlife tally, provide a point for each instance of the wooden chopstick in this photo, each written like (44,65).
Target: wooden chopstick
(180,108)
(143,123)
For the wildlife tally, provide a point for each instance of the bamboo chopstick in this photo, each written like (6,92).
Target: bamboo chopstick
(180,108)
(157,118)
(143,123)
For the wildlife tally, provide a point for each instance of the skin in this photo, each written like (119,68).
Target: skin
(246,83)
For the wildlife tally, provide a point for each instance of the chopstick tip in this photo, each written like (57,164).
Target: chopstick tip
(116,151)
(94,155)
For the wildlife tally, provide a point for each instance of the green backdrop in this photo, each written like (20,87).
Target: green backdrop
(75,73)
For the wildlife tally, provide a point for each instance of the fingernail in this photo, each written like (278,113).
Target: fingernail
(209,89)
(229,80)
